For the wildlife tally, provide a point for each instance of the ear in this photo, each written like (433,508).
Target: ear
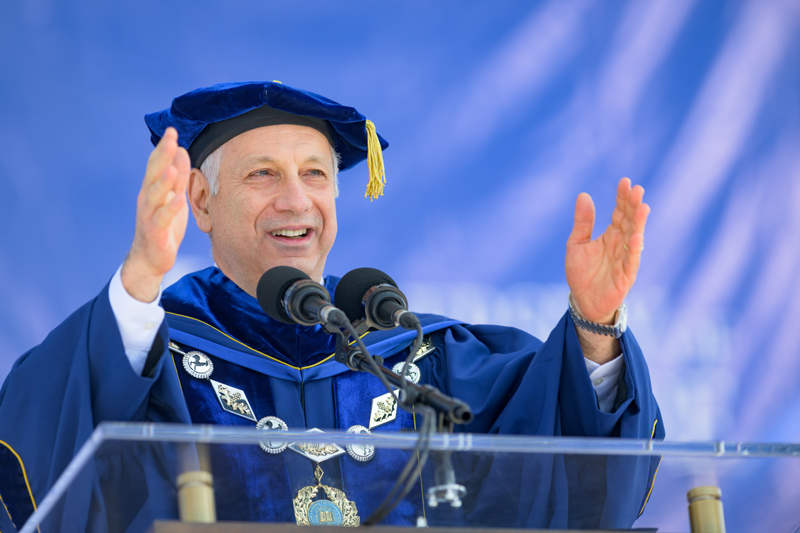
(199,193)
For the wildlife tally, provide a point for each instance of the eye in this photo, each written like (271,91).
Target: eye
(261,172)
(316,175)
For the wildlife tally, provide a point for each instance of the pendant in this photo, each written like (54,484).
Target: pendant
(332,510)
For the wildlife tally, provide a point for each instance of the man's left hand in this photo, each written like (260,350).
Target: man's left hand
(600,272)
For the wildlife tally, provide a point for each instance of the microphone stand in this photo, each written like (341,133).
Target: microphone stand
(452,410)
(449,411)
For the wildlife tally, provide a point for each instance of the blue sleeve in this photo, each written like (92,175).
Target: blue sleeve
(58,392)
(517,384)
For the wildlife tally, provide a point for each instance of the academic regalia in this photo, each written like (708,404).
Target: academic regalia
(514,383)
(58,392)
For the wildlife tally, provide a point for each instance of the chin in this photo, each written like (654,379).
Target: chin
(298,264)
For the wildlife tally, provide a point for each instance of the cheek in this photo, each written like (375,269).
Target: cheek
(230,222)
(329,214)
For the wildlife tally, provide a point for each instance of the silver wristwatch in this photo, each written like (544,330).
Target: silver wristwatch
(616,331)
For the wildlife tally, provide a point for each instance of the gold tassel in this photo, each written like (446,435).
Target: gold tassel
(377,174)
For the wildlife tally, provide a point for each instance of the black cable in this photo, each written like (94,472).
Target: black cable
(407,476)
(376,369)
(419,456)
(411,354)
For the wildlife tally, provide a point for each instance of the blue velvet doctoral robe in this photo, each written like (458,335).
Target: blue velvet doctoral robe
(515,384)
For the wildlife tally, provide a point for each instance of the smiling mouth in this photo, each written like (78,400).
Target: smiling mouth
(291,233)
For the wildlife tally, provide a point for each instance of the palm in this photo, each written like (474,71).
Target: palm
(161,217)
(600,272)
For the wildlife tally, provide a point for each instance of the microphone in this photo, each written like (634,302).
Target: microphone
(369,294)
(288,295)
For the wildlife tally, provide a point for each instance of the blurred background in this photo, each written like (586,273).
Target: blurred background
(498,115)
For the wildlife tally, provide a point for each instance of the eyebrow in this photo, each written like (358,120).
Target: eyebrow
(254,160)
(262,159)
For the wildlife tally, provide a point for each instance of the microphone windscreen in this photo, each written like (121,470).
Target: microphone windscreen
(273,286)
(352,287)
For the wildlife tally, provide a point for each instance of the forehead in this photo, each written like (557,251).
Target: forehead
(278,142)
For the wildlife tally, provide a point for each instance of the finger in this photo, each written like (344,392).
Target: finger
(154,194)
(174,178)
(621,207)
(628,201)
(639,218)
(623,191)
(166,213)
(583,223)
(634,200)
(183,165)
(634,244)
(633,221)
(161,156)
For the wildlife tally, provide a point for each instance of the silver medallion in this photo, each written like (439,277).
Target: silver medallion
(412,374)
(198,365)
(272,423)
(360,452)
(317,452)
(233,400)
(384,409)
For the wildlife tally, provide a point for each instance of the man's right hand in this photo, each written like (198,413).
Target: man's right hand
(161,216)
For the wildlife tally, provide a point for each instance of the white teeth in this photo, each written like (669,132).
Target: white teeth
(290,232)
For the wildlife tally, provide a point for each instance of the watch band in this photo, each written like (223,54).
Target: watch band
(616,331)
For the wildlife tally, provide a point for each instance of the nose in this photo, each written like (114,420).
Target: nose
(292,196)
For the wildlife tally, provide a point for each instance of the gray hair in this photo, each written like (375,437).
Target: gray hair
(210,169)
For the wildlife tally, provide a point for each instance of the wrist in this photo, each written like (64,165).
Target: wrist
(138,283)
(614,326)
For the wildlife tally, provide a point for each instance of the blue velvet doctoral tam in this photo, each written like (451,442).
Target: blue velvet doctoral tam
(515,384)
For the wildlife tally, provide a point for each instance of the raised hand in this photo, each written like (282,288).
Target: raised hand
(600,272)
(161,216)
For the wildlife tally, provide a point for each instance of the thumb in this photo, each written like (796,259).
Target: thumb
(583,223)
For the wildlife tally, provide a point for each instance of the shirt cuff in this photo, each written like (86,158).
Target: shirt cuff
(605,380)
(138,322)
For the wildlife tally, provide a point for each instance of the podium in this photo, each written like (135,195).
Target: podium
(147,477)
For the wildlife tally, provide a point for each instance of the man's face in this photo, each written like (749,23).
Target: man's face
(275,204)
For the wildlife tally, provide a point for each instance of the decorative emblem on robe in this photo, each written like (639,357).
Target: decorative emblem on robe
(426,348)
(336,510)
(384,409)
(272,423)
(360,452)
(198,365)
(316,452)
(233,400)
(412,374)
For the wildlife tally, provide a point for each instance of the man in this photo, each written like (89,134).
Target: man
(257,163)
